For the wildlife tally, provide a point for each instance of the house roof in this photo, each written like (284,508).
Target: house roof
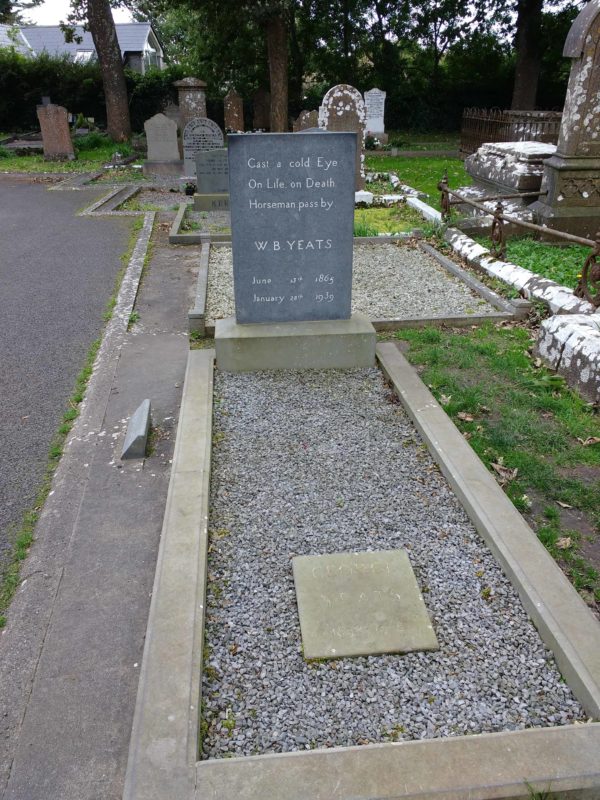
(11,36)
(132,37)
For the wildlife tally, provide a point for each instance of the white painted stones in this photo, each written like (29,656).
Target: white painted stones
(353,604)
(570,344)
(343,109)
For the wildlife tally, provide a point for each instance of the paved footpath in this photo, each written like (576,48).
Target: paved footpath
(70,655)
(57,272)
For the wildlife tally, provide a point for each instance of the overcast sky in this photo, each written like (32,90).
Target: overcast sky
(52,12)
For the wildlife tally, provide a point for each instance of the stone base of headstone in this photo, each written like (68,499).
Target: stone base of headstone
(211,202)
(164,168)
(322,344)
(572,204)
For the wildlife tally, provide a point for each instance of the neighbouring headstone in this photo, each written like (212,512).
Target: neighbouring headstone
(199,134)
(358,604)
(192,99)
(343,109)
(56,134)
(572,175)
(212,180)
(171,110)
(261,104)
(292,216)
(161,138)
(233,107)
(306,120)
(375,105)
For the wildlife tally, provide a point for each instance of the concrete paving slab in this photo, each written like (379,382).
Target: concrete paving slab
(353,604)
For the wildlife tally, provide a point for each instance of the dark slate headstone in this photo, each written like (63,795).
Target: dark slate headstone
(292,216)
(212,171)
(199,134)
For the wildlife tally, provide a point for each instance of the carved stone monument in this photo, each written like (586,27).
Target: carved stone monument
(572,175)
(375,105)
(343,109)
(262,110)
(56,135)
(292,215)
(233,106)
(306,120)
(163,150)
(199,134)
(212,180)
(192,99)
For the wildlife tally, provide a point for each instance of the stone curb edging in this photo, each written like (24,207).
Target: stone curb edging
(177,237)
(570,344)
(510,765)
(565,623)
(164,739)
(197,314)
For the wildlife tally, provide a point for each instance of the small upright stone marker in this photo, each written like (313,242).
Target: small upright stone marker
(161,138)
(375,105)
(234,112)
(360,604)
(306,120)
(199,134)
(343,109)
(136,437)
(212,178)
(56,135)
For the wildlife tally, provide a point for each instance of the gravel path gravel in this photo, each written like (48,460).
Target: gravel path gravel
(323,462)
(390,281)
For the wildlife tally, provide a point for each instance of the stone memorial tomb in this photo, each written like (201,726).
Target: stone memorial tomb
(56,134)
(162,147)
(343,109)
(233,107)
(212,178)
(360,604)
(292,216)
(198,135)
(375,106)
(572,175)
(192,100)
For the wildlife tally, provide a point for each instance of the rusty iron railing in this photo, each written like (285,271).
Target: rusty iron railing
(480,125)
(588,286)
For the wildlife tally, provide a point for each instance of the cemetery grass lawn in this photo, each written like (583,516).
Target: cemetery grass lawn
(396,219)
(409,140)
(539,439)
(88,161)
(422,173)
(22,538)
(560,264)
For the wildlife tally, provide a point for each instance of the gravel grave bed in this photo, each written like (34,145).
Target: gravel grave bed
(210,221)
(390,281)
(307,463)
(163,198)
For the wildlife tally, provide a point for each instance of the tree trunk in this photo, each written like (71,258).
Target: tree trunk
(527,68)
(277,50)
(102,28)
(297,68)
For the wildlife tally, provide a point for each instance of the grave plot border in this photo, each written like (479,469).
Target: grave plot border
(177,237)
(505,310)
(165,738)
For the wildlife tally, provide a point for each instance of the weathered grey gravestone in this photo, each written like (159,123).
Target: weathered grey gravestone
(343,109)
(172,112)
(192,99)
(212,180)
(56,135)
(161,138)
(198,135)
(292,212)
(375,105)
(233,107)
(306,120)
(572,175)
(353,604)
(262,110)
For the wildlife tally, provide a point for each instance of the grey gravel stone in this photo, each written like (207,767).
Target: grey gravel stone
(390,281)
(322,462)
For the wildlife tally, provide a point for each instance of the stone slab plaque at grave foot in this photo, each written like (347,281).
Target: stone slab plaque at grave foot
(212,171)
(292,217)
(358,604)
